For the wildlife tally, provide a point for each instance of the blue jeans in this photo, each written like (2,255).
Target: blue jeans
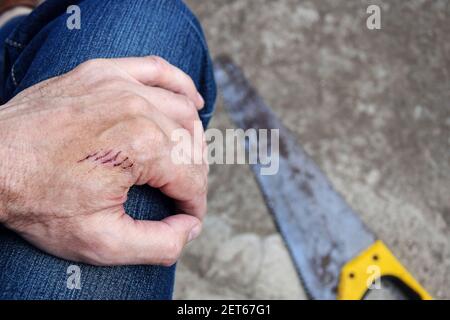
(40,46)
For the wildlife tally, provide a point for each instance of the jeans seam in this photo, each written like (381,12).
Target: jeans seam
(13,76)
(14,43)
(207,114)
(189,16)
(199,36)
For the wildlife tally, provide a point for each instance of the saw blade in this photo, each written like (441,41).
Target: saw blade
(320,229)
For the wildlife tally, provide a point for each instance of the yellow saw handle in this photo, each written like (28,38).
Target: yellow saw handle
(375,262)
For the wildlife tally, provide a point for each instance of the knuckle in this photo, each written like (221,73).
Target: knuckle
(90,65)
(140,127)
(135,103)
(146,136)
(159,64)
(172,253)
(157,136)
(94,72)
(189,108)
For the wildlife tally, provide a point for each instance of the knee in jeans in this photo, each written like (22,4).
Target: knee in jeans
(168,20)
(160,9)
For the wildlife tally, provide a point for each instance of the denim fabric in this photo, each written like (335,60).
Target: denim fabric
(40,46)
(5,31)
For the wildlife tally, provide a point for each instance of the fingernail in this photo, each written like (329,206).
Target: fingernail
(195,232)
(201,100)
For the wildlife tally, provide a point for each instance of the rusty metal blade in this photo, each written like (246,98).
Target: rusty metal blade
(321,231)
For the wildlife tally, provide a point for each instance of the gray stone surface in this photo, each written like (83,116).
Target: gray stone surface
(371,107)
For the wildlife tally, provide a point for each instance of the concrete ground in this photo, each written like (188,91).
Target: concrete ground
(371,107)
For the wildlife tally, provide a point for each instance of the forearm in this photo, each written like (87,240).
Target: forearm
(3,186)
(6,169)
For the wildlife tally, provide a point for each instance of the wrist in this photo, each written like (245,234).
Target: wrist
(2,211)
(4,176)
(3,188)
(2,198)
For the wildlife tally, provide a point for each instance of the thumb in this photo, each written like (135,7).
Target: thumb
(137,242)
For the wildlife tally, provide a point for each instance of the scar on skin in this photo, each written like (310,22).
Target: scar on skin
(88,157)
(103,156)
(113,159)
(120,163)
(108,157)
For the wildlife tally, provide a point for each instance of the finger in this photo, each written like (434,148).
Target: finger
(197,204)
(186,184)
(177,107)
(155,71)
(174,114)
(176,167)
(183,177)
(137,242)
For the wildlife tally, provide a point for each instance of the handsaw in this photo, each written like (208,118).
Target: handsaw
(336,255)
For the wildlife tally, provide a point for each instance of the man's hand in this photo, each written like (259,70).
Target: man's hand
(71,148)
